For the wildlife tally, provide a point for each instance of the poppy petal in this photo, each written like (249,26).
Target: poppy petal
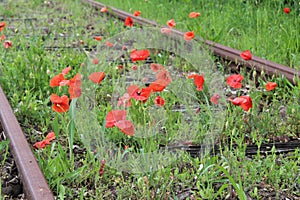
(114,116)
(271,86)
(139,55)
(97,77)
(126,127)
(246,55)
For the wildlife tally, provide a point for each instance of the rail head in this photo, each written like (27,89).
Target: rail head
(219,50)
(34,182)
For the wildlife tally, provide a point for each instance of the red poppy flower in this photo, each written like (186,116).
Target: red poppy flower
(101,170)
(134,67)
(124,100)
(97,77)
(118,118)
(126,127)
(7,44)
(56,80)
(2,37)
(140,95)
(159,101)
(42,144)
(50,136)
(128,22)
(109,44)
(171,23)
(165,30)
(103,9)
(139,55)
(156,67)
(114,116)
(244,101)
(75,84)
(234,81)
(246,55)
(164,76)
(60,104)
(271,86)
(215,99)
(158,85)
(198,80)
(287,10)
(189,35)
(66,70)
(98,38)
(137,13)
(95,61)
(2,26)
(194,14)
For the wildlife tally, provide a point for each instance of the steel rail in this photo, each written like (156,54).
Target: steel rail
(34,182)
(228,53)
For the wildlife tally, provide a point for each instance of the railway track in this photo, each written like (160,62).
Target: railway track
(34,183)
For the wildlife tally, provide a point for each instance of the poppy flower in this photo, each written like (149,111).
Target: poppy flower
(140,95)
(171,23)
(60,104)
(159,101)
(2,26)
(128,22)
(134,67)
(95,61)
(189,35)
(194,14)
(139,55)
(66,70)
(164,76)
(7,44)
(113,116)
(120,67)
(155,67)
(287,10)
(2,37)
(246,55)
(158,85)
(97,77)
(56,80)
(137,13)
(124,100)
(198,80)
(118,118)
(50,136)
(75,84)
(101,170)
(215,99)
(126,127)
(109,44)
(98,38)
(42,144)
(244,101)
(235,80)
(165,30)
(271,86)
(103,9)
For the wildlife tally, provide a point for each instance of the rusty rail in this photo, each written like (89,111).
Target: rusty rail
(230,54)
(34,183)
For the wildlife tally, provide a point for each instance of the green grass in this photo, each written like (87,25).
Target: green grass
(72,162)
(260,26)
